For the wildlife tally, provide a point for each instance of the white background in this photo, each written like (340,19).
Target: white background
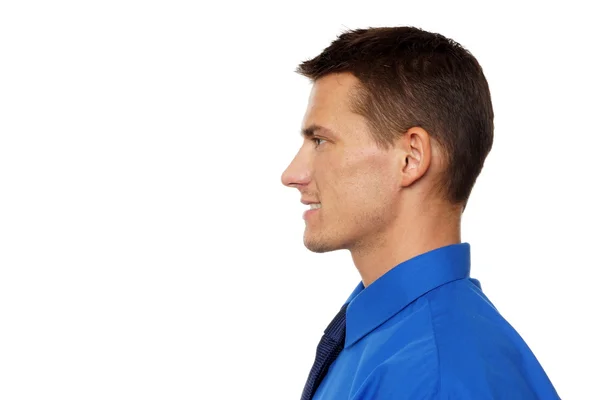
(148,249)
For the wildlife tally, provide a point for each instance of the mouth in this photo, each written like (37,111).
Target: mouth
(314,208)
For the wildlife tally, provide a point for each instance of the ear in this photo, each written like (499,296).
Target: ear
(416,147)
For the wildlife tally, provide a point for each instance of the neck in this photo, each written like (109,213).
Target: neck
(407,237)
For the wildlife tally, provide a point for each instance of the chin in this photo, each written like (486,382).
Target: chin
(319,245)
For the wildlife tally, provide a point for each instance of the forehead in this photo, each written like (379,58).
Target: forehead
(330,99)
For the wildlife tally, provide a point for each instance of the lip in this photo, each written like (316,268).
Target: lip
(309,213)
(307,202)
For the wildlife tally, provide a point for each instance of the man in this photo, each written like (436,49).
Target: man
(398,125)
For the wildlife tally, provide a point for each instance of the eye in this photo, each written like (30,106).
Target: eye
(316,141)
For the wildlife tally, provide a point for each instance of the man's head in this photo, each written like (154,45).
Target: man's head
(399,122)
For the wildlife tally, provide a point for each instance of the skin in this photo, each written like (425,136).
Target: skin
(376,203)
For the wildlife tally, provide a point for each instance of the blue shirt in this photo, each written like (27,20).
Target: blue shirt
(425,330)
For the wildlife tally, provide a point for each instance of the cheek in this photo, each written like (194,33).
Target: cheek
(365,190)
(360,180)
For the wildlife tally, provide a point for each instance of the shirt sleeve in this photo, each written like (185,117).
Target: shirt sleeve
(391,382)
(401,378)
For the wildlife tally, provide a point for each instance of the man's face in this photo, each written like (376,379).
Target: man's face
(356,183)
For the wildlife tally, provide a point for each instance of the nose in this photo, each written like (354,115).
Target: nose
(297,173)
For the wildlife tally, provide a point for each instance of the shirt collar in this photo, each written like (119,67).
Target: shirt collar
(372,306)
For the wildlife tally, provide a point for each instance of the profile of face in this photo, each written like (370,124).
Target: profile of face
(341,167)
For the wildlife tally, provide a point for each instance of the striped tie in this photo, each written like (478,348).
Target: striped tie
(330,346)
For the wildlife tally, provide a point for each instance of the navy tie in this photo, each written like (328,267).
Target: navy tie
(329,348)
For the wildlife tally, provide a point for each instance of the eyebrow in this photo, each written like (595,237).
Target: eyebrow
(310,131)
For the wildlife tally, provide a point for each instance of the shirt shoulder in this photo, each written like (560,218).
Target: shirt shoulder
(481,356)
(460,347)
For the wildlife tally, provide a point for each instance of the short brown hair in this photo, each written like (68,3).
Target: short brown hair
(410,77)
